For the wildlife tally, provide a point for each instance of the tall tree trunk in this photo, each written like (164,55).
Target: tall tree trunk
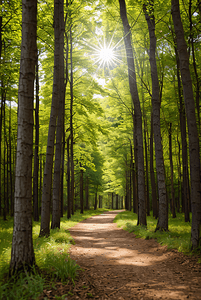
(71,124)
(137,113)
(56,196)
(62,171)
(182,115)
(10,161)
(96,199)
(147,169)
(152,175)
(47,179)
(117,201)
(197,84)
(4,165)
(22,255)
(81,193)
(163,213)
(192,126)
(36,158)
(171,172)
(87,192)
(134,189)
(68,179)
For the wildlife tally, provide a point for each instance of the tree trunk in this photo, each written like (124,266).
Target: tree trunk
(117,202)
(137,113)
(47,179)
(147,169)
(197,84)
(87,192)
(36,158)
(22,255)
(192,126)
(96,201)
(68,180)
(163,214)
(10,162)
(81,193)
(152,175)
(56,196)
(71,124)
(182,115)
(171,172)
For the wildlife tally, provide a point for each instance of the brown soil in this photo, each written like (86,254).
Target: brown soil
(119,266)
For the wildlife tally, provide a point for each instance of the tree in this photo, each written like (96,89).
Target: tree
(192,126)
(22,255)
(47,179)
(163,212)
(56,203)
(137,113)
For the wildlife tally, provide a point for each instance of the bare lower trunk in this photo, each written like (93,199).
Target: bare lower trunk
(56,197)
(138,115)
(22,254)
(162,214)
(192,126)
(36,158)
(47,179)
(152,175)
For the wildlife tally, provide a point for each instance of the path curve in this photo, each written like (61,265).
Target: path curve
(119,266)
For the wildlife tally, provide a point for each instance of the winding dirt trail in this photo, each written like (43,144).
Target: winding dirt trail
(119,266)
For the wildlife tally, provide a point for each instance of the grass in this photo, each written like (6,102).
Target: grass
(177,237)
(51,255)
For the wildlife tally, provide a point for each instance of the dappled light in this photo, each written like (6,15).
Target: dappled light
(142,267)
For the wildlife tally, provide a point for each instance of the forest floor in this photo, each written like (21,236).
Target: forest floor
(117,265)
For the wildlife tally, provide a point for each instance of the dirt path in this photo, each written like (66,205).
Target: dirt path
(119,266)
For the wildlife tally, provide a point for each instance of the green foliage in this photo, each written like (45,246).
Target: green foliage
(60,265)
(178,237)
(24,286)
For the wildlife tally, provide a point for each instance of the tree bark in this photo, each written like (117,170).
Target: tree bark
(81,193)
(68,179)
(36,158)
(192,126)
(171,172)
(47,179)
(96,200)
(163,214)
(22,255)
(56,196)
(71,124)
(87,192)
(152,175)
(182,115)
(137,113)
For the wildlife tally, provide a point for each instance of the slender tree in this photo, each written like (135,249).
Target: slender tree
(163,212)
(192,126)
(137,114)
(47,179)
(56,204)
(36,157)
(22,254)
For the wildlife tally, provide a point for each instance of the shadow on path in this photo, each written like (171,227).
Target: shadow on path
(123,267)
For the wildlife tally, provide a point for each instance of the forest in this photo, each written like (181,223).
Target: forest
(100,107)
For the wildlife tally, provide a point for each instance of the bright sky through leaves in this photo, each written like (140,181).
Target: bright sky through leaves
(105,55)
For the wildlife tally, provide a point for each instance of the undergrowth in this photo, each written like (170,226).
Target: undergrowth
(52,258)
(177,237)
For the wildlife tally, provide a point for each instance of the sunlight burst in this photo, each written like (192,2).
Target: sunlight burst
(106,55)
